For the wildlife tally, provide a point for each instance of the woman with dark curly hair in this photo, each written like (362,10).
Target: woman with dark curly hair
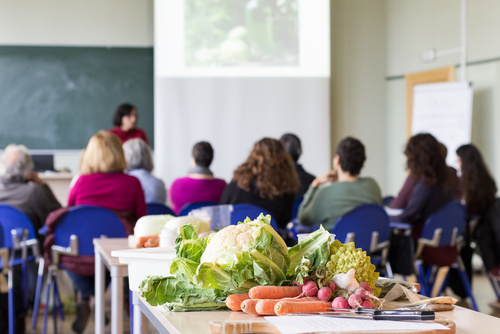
(432,182)
(267,179)
(478,186)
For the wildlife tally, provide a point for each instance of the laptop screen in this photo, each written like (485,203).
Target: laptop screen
(43,162)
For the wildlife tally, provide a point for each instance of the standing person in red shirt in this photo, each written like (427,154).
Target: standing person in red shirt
(125,121)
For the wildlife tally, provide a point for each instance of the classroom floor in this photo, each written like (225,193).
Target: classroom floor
(481,286)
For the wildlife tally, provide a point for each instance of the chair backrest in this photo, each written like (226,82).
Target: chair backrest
(186,208)
(449,221)
(158,209)
(296,204)
(364,222)
(87,222)
(241,211)
(11,218)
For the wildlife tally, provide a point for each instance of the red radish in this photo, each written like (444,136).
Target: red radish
(354,301)
(361,292)
(365,286)
(331,285)
(340,302)
(310,289)
(325,293)
(367,304)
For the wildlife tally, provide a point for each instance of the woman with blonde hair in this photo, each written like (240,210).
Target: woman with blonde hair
(267,179)
(104,183)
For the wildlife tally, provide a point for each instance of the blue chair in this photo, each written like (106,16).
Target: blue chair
(442,229)
(74,236)
(295,209)
(19,239)
(188,207)
(239,212)
(367,226)
(158,209)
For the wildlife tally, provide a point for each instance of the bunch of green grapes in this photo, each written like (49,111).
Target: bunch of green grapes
(345,257)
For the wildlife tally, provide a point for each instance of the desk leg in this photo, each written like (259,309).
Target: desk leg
(99,293)
(140,326)
(116,300)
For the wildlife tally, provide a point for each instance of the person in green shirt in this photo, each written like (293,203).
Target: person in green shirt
(340,190)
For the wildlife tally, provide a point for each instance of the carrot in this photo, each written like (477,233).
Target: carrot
(234,301)
(266,306)
(274,292)
(248,306)
(285,307)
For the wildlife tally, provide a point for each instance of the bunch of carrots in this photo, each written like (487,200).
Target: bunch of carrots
(275,300)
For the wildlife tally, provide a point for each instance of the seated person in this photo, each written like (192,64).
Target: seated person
(405,193)
(199,185)
(140,164)
(432,189)
(103,183)
(125,121)
(21,187)
(340,190)
(267,179)
(432,183)
(294,148)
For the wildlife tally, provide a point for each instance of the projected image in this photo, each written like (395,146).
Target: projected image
(242,33)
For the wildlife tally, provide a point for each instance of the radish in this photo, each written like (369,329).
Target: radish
(340,302)
(361,292)
(365,286)
(367,304)
(310,289)
(331,285)
(324,294)
(355,301)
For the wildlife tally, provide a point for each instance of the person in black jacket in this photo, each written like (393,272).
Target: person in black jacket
(266,179)
(294,148)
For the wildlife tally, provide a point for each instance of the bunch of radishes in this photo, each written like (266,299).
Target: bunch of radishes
(343,298)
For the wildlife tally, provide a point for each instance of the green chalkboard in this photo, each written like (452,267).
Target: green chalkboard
(58,97)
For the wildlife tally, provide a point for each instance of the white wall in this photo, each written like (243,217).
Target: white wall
(417,25)
(77,22)
(358,79)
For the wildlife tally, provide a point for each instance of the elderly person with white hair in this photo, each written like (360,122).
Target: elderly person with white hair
(21,187)
(140,164)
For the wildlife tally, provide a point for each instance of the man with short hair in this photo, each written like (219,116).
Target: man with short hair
(340,190)
(21,188)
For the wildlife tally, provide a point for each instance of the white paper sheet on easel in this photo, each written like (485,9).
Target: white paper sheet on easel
(317,323)
(445,111)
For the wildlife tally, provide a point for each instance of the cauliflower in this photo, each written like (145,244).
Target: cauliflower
(238,237)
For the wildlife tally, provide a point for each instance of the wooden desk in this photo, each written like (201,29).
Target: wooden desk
(103,248)
(467,321)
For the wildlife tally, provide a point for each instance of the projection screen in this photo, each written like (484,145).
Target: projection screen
(231,72)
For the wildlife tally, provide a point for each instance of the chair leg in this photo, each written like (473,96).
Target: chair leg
(421,278)
(39,284)
(57,301)
(439,280)
(50,282)
(466,283)
(12,316)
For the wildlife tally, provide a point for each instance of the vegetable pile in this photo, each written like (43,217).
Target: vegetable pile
(249,267)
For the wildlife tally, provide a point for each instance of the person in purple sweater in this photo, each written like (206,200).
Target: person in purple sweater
(199,185)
